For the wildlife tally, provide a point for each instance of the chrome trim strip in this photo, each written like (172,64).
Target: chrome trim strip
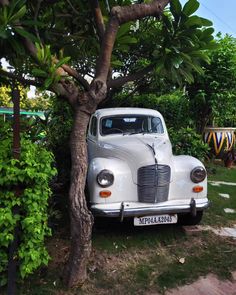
(132,212)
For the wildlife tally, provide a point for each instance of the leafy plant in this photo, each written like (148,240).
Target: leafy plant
(49,65)
(58,136)
(212,96)
(173,106)
(30,175)
(186,141)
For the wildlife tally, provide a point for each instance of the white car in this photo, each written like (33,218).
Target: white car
(133,173)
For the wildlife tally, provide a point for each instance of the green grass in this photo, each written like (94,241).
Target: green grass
(124,237)
(218,172)
(216,215)
(138,260)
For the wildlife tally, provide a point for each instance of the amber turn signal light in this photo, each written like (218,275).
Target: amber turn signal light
(105,194)
(197,189)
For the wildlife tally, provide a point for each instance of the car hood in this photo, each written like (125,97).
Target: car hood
(137,150)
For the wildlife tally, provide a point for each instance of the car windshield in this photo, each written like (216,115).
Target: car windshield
(130,124)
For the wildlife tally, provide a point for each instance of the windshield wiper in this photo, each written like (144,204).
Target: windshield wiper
(135,132)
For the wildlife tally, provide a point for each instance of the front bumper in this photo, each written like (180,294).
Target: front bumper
(134,209)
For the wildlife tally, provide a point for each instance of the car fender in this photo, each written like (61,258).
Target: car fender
(182,186)
(123,188)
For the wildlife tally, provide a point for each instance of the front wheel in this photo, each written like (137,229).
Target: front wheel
(188,219)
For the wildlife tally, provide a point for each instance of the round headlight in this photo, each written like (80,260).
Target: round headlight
(198,174)
(105,178)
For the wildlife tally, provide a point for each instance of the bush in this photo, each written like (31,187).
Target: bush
(173,106)
(58,137)
(186,141)
(31,175)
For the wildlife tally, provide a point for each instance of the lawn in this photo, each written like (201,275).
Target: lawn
(128,260)
(216,215)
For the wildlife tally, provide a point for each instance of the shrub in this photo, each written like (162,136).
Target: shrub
(31,174)
(173,106)
(186,141)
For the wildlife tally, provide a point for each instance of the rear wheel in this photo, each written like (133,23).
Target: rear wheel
(188,219)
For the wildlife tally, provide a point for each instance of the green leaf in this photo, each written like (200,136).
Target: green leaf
(117,63)
(175,7)
(62,61)
(200,55)
(39,73)
(193,21)
(20,13)
(15,5)
(197,68)
(187,75)
(127,40)
(206,22)
(190,7)
(208,31)
(123,30)
(25,34)
(17,46)
(211,46)
(31,23)
(48,82)
(3,32)
(177,61)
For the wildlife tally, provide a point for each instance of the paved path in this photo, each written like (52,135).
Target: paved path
(209,285)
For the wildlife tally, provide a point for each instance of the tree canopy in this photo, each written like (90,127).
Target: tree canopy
(70,32)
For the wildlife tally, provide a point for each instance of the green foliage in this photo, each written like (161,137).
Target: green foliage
(175,46)
(30,175)
(48,65)
(60,123)
(186,141)
(58,134)
(212,97)
(187,37)
(5,129)
(40,102)
(173,106)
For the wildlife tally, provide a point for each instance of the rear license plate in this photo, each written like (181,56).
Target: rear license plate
(156,219)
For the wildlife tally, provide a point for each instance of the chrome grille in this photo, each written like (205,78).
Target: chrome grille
(153,183)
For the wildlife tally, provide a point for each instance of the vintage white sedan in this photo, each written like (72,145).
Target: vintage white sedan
(133,173)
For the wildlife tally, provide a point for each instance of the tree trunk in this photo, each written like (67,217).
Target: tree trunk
(75,272)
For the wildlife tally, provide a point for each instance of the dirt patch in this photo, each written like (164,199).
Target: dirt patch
(58,250)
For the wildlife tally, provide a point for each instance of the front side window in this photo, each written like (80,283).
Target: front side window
(131,124)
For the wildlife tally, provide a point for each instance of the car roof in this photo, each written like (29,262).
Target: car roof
(126,111)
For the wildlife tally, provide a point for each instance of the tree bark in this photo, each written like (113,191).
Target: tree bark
(75,272)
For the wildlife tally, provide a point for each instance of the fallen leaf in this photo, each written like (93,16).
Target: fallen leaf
(182,260)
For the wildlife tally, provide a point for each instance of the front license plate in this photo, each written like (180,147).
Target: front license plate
(156,219)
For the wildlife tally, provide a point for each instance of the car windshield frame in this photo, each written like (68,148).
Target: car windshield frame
(148,129)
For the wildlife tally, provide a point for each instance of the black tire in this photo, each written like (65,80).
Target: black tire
(188,219)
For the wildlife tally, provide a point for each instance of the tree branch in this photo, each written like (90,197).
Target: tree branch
(72,7)
(118,82)
(104,59)
(22,80)
(138,11)
(4,2)
(121,15)
(36,17)
(98,18)
(73,73)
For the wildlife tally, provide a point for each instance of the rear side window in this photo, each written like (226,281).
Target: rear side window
(93,126)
